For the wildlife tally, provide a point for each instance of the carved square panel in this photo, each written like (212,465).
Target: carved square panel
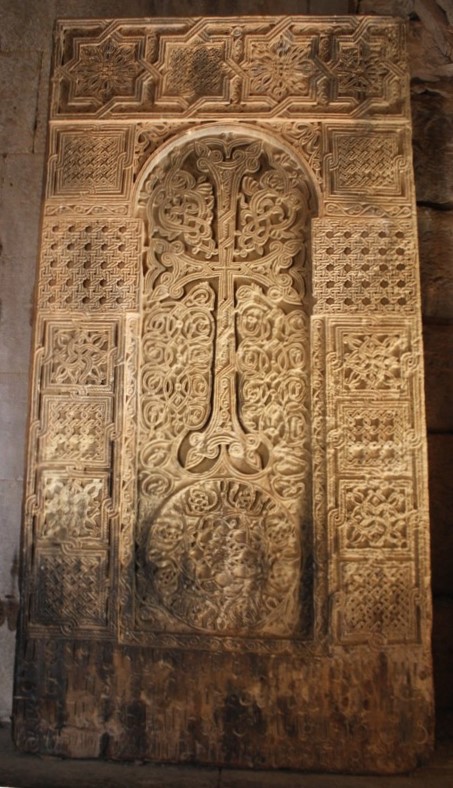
(79,354)
(366,163)
(193,71)
(72,508)
(364,266)
(76,430)
(71,590)
(374,437)
(375,515)
(373,357)
(89,265)
(86,162)
(102,68)
(377,601)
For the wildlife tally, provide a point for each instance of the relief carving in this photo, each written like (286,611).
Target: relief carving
(364,266)
(87,162)
(71,590)
(104,70)
(377,602)
(89,265)
(211,66)
(98,72)
(303,137)
(374,436)
(226,486)
(75,430)
(72,509)
(79,354)
(225,373)
(375,362)
(372,370)
(69,503)
(366,163)
(224,557)
(378,515)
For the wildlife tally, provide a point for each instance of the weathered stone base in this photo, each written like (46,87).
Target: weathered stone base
(352,710)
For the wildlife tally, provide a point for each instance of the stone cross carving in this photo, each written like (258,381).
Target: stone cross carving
(225,550)
(227,216)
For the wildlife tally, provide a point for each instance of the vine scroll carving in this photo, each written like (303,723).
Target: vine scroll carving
(225,382)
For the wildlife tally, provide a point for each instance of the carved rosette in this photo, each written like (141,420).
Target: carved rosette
(222,67)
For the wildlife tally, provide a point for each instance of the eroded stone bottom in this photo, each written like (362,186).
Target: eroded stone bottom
(367,711)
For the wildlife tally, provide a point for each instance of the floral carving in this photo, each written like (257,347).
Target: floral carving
(225,501)
(105,70)
(72,508)
(281,68)
(363,69)
(374,362)
(354,68)
(376,515)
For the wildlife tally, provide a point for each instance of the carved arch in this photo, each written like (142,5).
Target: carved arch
(224,438)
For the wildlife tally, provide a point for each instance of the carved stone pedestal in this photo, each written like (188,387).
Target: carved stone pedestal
(225,553)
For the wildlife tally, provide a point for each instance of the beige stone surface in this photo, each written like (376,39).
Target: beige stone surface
(27,27)
(234,402)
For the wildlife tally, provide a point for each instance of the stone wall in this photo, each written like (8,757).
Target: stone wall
(25,49)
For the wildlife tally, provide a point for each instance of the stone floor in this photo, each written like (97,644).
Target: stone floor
(29,771)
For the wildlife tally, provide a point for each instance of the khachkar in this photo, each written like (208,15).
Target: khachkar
(225,554)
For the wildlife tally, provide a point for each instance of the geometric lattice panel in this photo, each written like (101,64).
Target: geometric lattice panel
(378,602)
(59,584)
(90,265)
(367,266)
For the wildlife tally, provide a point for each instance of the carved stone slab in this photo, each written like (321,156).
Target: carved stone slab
(225,549)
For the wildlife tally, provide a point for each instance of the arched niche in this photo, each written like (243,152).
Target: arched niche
(224,476)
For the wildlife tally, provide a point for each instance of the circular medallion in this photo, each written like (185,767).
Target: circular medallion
(224,557)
